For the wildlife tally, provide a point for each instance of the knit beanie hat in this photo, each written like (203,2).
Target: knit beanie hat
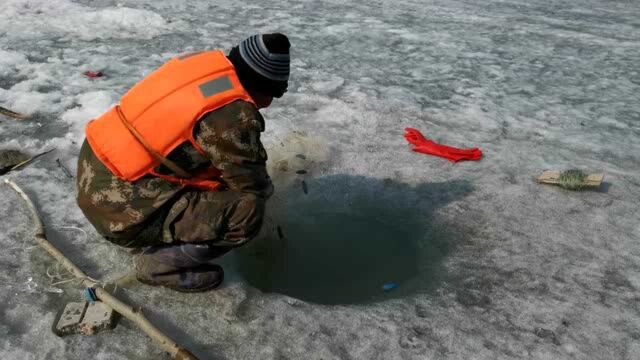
(262,63)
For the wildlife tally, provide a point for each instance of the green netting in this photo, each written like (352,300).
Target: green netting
(573,179)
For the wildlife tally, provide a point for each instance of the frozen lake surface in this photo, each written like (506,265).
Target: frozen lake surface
(488,264)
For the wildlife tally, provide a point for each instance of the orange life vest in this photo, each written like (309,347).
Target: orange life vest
(159,113)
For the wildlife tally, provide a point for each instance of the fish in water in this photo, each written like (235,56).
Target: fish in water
(280,233)
(301,172)
(304,187)
(300,156)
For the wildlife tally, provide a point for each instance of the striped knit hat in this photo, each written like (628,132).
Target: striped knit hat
(262,63)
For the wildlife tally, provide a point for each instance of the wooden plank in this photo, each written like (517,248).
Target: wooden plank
(549,177)
(594,179)
(553,177)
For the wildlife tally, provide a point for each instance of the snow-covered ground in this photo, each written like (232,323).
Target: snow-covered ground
(488,264)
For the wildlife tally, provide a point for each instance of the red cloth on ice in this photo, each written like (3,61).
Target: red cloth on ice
(92,74)
(425,146)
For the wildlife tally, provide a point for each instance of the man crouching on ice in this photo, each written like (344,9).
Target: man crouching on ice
(177,167)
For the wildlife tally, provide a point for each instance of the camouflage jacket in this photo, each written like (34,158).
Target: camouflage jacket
(230,136)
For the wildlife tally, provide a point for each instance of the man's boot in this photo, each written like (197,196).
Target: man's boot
(182,267)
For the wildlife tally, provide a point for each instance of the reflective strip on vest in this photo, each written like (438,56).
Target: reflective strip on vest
(164,107)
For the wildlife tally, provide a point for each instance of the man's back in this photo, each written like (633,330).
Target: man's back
(130,214)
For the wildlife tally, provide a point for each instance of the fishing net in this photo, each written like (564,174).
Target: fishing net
(572,179)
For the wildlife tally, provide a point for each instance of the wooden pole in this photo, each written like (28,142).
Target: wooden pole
(17,166)
(135,315)
(13,114)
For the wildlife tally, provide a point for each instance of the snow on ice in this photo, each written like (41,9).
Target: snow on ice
(488,264)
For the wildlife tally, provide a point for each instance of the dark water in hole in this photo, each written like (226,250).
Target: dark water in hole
(343,254)
(349,237)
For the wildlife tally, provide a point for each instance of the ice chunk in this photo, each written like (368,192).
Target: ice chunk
(70,318)
(98,317)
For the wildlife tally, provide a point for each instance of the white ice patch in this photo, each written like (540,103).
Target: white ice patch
(10,62)
(122,23)
(47,17)
(533,86)
(327,85)
(28,102)
(91,105)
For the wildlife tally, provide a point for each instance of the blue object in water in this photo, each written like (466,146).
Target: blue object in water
(389,286)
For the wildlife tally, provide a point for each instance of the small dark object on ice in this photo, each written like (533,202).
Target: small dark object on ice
(93,74)
(64,169)
(305,189)
(422,311)
(280,233)
(14,159)
(301,172)
(10,158)
(282,165)
(300,156)
(12,114)
(546,334)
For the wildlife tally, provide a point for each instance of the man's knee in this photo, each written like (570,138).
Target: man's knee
(245,219)
(226,218)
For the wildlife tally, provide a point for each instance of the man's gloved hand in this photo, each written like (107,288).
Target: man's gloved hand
(425,146)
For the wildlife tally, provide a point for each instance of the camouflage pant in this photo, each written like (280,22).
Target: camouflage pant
(219,219)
